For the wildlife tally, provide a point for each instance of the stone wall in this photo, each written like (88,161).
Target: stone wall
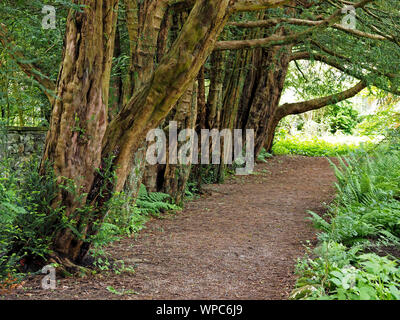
(19,143)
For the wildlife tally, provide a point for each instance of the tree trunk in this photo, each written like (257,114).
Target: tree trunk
(171,79)
(150,17)
(231,101)
(261,99)
(214,101)
(79,116)
(153,175)
(116,90)
(148,42)
(177,175)
(79,141)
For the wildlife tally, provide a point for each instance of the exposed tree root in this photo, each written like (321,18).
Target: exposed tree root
(66,268)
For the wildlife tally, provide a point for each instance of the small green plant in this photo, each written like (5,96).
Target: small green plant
(191,190)
(27,219)
(154,203)
(341,274)
(126,217)
(120,292)
(342,117)
(264,155)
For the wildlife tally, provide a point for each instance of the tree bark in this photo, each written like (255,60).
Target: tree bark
(150,17)
(150,20)
(170,80)
(261,99)
(231,101)
(214,101)
(176,175)
(116,91)
(79,143)
(79,116)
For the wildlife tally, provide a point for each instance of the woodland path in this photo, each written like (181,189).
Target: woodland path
(239,242)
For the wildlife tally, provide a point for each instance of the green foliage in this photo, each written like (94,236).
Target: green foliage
(313,147)
(154,203)
(191,190)
(126,216)
(386,117)
(120,293)
(342,117)
(209,174)
(27,219)
(365,216)
(339,273)
(263,155)
(308,80)
(311,79)
(22,100)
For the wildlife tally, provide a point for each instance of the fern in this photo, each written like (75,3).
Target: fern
(154,203)
(127,216)
(367,203)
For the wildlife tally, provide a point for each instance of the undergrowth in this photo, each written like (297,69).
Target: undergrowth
(126,217)
(29,220)
(313,147)
(359,241)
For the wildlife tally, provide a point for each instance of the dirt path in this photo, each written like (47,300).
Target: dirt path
(241,242)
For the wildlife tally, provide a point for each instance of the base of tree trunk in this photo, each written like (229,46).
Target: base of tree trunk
(66,268)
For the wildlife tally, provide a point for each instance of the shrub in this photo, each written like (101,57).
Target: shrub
(342,117)
(27,220)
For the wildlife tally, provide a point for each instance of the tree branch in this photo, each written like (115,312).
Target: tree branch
(301,22)
(314,104)
(321,58)
(280,40)
(259,43)
(253,5)
(336,64)
(236,6)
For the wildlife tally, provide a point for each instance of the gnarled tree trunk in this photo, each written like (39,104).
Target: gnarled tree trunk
(79,116)
(176,175)
(261,99)
(79,141)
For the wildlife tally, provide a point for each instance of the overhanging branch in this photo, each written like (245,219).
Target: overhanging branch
(236,5)
(341,67)
(280,40)
(254,5)
(301,22)
(314,104)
